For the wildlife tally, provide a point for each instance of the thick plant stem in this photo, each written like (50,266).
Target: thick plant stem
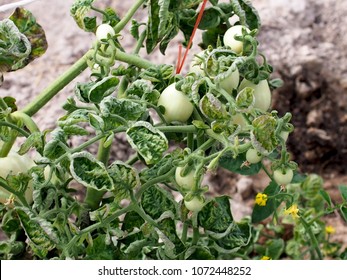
(128,16)
(47,94)
(133,60)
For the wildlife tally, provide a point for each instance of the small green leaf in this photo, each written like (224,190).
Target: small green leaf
(11,102)
(247,14)
(148,141)
(155,201)
(274,248)
(236,165)
(198,253)
(53,149)
(326,197)
(35,140)
(343,192)
(143,90)
(210,19)
(90,172)
(262,212)
(343,210)
(112,108)
(79,11)
(216,215)
(103,88)
(101,250)
(263,134)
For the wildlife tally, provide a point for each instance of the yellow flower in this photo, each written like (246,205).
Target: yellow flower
(292,210)
(265,258)
(261,199)
(330,230)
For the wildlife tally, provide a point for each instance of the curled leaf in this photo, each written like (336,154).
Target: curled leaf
(148,141)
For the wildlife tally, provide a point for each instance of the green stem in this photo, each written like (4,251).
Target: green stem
(313,238)
(81,147)
(7,146)
(133,60)
(3,104)
(184,233)
(128,16)
(93,227)
(196,235)
(27,121)
(150,183)
(20,196)
(124,82)
(15,127)
(53,89)
(178,128)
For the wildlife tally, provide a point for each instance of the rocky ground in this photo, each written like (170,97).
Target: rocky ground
(304,41)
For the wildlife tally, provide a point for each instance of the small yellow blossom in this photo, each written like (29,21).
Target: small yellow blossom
(265,258)
(330,230)
(292,210)
(261,199)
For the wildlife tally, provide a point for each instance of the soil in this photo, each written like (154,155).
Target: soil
(303,40)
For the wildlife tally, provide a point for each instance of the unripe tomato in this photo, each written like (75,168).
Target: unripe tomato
(103,31)
(231,82)
(187,182)
(283,178)
(15,164)
(229,38)
(240,120)
(252,156)
(196,66)
(177,105)
(262,93)
(194,205)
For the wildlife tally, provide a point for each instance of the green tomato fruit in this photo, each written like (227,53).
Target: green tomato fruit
(262,93)
(283,178)
(15,164)
(252,156)
(229,38)
(177,105)
(187,182)
(196,66)
(194,205)
(103,31)
(231,82)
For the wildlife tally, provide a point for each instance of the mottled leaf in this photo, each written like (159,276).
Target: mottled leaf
(156,201)
(90,172)
(27,25)
(148,141)
(216,215)
(125,179)
(39,232)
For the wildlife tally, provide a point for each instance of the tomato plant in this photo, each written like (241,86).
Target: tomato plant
(180,127)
